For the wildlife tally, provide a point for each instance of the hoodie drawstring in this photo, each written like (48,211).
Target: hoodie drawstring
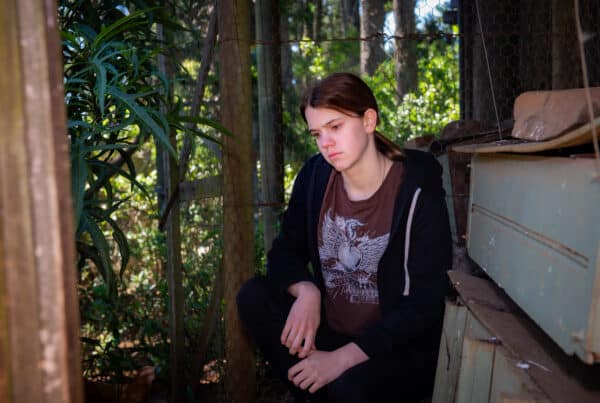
(411,212)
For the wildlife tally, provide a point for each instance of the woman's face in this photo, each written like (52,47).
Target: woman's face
(342,139)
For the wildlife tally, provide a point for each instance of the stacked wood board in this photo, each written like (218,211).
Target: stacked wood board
(490,351)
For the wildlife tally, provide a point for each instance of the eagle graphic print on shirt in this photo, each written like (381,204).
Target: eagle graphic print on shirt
(349,260)
(352,238)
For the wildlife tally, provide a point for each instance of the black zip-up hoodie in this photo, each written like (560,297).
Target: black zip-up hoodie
(411,276)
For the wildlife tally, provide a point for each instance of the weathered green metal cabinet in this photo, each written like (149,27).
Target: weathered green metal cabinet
(534,227)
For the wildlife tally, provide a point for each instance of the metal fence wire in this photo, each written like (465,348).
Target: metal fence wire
(510,47)
(506,47)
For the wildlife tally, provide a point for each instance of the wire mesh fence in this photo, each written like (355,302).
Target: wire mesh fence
(429,62)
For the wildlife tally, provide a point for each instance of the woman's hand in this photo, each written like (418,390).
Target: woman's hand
(323,367)
(300,328)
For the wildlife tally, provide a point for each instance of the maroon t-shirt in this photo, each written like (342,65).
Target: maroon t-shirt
(352,237)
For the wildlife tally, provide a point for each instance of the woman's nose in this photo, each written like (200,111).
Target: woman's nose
(326,140)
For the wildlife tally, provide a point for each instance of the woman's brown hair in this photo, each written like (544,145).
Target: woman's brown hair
(351,96)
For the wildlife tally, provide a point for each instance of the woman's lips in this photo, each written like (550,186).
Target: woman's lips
(333,155)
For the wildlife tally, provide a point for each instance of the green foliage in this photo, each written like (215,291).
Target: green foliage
(124,332)
(432,106)
(113,98)
(116,101)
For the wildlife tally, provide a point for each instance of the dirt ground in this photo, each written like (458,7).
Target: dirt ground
(211,389)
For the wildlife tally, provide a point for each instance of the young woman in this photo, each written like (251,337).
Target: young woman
(363,323)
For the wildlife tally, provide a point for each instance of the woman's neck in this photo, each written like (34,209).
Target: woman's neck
(364,179)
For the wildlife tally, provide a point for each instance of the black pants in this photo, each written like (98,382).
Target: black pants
(400,377)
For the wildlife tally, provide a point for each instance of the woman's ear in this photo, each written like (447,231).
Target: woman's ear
(370,120)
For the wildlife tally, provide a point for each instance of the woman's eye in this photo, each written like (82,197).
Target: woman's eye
(335,127)
(315,134)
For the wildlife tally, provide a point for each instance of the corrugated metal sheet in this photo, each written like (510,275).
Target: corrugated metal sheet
(534,227)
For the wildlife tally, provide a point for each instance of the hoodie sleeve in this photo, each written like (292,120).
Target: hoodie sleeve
(416,311)
(288,258)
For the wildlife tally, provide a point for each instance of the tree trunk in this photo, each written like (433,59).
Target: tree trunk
(269,115)
(238,239)
(174,279)
(406,47)
(350,16)
(170,177)
(286,51)
(39,315)
(317,20)
(371,32)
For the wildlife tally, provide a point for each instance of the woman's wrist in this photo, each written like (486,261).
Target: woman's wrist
(303,287)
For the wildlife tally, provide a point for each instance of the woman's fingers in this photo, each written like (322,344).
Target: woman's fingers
(299,331)
(308,346)
(284,333)
(297,343)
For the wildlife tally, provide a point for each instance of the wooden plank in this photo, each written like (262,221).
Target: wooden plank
(575,137)
(522,398)
(53,229)
(511,382)
(4,333)
(475,330)
(560,377)
(39,313)
(18,267)
(446,376)
(475,371)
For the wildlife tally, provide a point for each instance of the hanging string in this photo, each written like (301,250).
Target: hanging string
(588,94)
(489,70)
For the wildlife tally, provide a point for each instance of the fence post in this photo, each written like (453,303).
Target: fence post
(39,325)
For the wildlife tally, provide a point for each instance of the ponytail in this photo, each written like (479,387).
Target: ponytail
(388,148)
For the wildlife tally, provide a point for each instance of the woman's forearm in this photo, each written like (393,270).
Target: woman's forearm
(303,287)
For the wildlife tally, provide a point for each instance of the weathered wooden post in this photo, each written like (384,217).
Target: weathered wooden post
(268,60)
(238,236)
(39,325)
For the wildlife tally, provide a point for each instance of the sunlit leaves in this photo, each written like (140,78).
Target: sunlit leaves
(113,98)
